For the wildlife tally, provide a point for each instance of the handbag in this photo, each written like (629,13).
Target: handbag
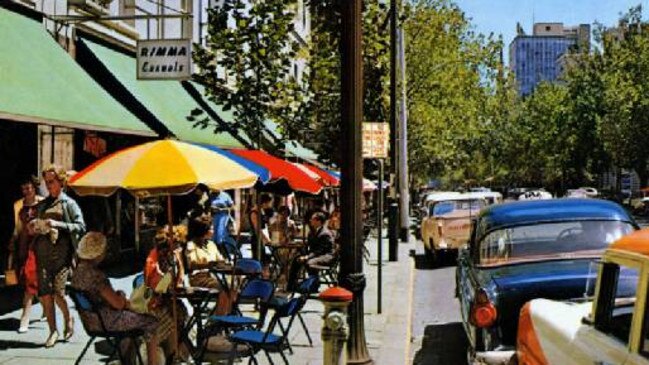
(11,278)
(140,298)
(163,284)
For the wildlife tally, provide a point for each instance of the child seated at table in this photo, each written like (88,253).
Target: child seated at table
(160,262)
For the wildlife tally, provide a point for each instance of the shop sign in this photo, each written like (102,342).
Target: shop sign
(376,139)
(164,59)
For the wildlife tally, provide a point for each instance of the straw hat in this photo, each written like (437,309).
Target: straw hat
(91,246)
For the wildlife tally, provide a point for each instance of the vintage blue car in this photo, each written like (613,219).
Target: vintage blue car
(525,250)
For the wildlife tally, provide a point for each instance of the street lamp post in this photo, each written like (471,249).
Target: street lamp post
(393,208)
(351,263)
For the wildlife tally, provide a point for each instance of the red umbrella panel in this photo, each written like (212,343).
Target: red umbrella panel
(282,172)
(327,178)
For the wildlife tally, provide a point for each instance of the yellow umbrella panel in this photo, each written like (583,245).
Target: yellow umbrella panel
(161,168)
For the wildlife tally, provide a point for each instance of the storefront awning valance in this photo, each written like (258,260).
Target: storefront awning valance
(169,102)
(41,83)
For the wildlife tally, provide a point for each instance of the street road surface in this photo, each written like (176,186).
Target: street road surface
(437,333)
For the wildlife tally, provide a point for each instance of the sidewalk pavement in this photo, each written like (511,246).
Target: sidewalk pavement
(387,334)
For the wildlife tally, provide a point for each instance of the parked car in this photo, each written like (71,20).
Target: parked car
(590,192)
(431,196)
(422,207)
(610,329)
(524,250)
(538,194)
(447,224)
(490,197)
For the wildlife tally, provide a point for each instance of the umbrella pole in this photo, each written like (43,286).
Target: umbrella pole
(174,311)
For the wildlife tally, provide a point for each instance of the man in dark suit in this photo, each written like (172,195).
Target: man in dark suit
(320,243)
(320,249)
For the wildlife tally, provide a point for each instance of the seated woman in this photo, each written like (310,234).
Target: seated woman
(282,232)
(201,254)
(158,263)
(113,305)
(283,229)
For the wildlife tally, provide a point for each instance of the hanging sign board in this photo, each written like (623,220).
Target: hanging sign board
(164,59)
(376,139)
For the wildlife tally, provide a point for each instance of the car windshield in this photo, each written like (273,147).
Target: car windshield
(550,241)
(449,206)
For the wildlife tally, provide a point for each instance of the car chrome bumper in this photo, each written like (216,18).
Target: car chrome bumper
(495,358)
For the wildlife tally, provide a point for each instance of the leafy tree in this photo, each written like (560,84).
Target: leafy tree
(455,87)
(625,65)
(247,62)
(322,109)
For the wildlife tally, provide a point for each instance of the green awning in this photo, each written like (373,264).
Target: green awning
(292,147)
(41,83)
(168,101)
(296,149)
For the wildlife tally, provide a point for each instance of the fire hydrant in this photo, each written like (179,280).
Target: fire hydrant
(334,326)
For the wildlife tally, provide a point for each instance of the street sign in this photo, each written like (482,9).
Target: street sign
(376,139)
(164,59)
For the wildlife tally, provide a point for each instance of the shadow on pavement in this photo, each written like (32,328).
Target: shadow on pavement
(8,345)
(442,344)
(9,324)
(445,260)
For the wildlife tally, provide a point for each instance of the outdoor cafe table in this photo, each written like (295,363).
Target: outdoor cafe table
(283,254)
(198,298)
(223,270)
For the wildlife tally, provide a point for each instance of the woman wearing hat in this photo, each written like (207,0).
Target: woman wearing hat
(113,305)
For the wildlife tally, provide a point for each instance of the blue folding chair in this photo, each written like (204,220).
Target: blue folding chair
(229,249)
(258,291)
(267,341)
(84,306)
(305,289)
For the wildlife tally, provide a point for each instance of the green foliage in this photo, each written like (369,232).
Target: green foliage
(456,91)
(247,62)
(322,110)
(466,122)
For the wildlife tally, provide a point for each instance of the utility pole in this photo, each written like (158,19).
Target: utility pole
(404,194)
(393,208)
(351,263)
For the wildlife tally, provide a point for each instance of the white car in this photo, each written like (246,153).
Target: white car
(590,192)
(611,329)
(446,225)
(535,195)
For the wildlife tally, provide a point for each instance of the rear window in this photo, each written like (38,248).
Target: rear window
(450,206)
(547,241)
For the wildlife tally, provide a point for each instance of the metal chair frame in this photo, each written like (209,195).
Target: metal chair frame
(84,304)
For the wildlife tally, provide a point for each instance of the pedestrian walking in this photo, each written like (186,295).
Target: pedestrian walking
(21,252)
(258,219)
(221,219)
(58,228)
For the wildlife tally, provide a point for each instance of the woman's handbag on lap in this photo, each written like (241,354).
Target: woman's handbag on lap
(140,298)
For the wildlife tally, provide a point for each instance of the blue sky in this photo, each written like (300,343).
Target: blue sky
(500,16)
